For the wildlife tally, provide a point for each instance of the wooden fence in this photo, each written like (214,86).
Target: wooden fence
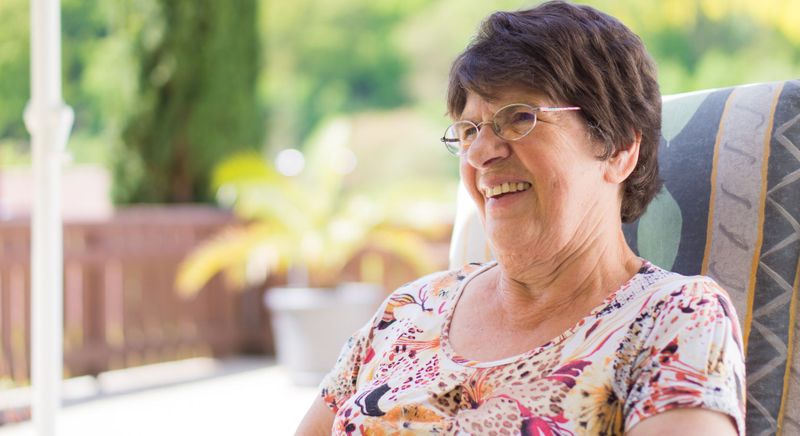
(120,307)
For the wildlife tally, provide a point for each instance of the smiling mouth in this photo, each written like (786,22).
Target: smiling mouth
(505,188)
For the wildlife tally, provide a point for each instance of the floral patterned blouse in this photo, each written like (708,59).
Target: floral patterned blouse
(661,341)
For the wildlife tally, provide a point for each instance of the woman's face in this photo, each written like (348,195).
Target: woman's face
(564,196)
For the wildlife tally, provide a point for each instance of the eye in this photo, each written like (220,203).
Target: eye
(525,117)
(515,121)
(468,133)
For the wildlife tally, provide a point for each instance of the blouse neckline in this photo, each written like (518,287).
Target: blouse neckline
(454,357)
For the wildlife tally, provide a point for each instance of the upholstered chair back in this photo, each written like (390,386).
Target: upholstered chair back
(729,209)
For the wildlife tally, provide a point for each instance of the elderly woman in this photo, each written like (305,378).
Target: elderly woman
(557,118)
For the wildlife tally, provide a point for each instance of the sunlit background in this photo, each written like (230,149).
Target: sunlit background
(222,148)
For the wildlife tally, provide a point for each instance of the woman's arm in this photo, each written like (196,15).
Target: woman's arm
(685,422)
(318,420)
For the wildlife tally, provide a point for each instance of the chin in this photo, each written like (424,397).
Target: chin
(510,238)
(531,240)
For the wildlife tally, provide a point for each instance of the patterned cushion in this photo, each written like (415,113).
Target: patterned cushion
(730,209)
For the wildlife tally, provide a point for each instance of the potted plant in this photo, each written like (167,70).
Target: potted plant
(302,220)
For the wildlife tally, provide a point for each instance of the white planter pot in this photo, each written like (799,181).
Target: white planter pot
(310,325)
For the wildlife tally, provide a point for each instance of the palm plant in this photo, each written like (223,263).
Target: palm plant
(310,225)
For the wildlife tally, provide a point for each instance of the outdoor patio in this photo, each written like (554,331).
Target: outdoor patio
(202,396)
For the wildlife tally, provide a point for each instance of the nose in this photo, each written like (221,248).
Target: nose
(487,148)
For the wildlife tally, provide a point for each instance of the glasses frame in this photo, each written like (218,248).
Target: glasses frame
(496,129)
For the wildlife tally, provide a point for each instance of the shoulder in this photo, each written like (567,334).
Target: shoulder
(693,312)
(691,309)
(674,292)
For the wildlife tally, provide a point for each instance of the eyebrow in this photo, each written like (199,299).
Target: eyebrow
(532,104)
(492,102)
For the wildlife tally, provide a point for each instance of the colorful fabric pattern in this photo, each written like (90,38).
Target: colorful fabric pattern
(661,341)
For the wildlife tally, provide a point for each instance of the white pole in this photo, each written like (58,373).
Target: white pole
(49,122)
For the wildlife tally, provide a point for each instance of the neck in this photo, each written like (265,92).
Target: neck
(577,278)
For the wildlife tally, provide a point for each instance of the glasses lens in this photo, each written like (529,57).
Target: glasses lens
(459,136)
(514,121)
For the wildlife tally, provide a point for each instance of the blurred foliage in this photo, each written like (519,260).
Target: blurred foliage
(701,44)
(197,102)
(98,74)
(14,67)
(312,224)
(697,44)
(331,56)
(178,66)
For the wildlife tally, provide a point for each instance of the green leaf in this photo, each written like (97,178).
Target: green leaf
(243,167)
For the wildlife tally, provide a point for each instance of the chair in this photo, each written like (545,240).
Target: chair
(729,209)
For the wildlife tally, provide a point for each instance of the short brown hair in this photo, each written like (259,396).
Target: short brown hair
(579,56)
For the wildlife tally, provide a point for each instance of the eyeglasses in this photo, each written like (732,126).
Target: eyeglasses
(511,122)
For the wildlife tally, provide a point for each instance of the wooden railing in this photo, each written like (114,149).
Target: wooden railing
(120,307)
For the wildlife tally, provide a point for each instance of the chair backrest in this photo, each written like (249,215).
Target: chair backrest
(729,209)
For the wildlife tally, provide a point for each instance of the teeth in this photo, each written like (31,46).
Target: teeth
(506,188)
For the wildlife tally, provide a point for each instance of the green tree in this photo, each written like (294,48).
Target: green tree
(330,57)
(14,67)
(83,29)
(715,43)
(97,65)
(198,103)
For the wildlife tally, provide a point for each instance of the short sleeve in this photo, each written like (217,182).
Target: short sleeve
(340,383)
(692,357)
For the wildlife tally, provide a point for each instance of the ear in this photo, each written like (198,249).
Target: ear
(621,164)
